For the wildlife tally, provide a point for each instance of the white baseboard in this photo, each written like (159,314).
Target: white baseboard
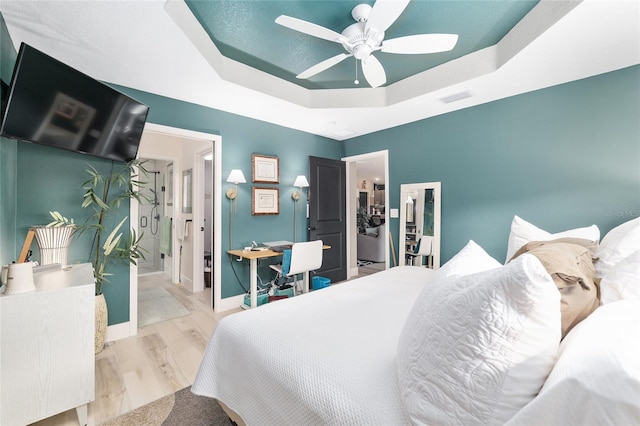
(119,332)
(229,303)
(187,283)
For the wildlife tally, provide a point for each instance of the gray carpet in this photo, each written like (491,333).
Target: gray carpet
(180,409)
(156,304)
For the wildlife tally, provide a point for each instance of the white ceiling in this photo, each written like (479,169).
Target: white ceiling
(158,47)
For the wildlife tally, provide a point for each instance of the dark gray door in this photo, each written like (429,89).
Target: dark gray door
(327,214)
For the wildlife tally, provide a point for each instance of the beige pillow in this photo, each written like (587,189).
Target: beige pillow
(569,261)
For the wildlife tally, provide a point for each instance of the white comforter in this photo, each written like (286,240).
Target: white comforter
(327,357)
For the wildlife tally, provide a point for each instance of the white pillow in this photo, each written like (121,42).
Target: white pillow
(476,348)
(522,232)
(619,243)
(596,380)
(622,281)
(471,259)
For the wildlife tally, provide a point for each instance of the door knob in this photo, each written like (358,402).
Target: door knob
(202,228)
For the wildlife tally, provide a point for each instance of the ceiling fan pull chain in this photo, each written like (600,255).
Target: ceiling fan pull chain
(356,81)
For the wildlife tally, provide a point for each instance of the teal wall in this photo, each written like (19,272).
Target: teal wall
(51,179)
(7,160)
(562,157)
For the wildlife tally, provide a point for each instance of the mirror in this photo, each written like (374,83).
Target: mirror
(187,201)
(420,216)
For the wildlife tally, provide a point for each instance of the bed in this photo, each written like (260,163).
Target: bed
(474,342)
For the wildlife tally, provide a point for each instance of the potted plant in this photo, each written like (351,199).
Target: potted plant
(362,219)
(104,194)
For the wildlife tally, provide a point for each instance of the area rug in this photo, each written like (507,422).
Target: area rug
(155,304)
(180,409)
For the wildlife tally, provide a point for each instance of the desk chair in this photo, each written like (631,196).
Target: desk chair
(424,248)
(305,257)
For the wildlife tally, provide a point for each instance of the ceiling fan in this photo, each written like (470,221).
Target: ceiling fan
(366,36)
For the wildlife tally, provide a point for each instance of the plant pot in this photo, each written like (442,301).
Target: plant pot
(101,322)
(54,243)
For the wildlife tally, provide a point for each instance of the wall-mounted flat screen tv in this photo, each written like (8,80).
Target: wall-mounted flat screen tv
(50,103)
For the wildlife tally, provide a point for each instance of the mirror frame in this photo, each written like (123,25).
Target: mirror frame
(405,189)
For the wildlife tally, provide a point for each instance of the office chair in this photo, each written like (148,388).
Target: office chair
(305,257)
(424,248)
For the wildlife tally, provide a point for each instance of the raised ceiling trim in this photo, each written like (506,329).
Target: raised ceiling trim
(468,67)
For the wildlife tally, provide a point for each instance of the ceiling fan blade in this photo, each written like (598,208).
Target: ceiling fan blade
(309,28)
(420,43)
(326,64)
(373,71)
(385,13)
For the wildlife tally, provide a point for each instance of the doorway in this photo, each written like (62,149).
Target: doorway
(170,145)
(367,167)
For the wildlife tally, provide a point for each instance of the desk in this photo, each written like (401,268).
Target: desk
(253,257)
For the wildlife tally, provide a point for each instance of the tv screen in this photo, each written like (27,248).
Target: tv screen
(50,103)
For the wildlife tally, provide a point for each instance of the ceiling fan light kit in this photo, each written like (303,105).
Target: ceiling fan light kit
(366,36)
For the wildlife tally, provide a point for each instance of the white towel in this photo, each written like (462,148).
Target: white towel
(182,229)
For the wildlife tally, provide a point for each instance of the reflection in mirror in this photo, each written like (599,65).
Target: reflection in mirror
(420,224)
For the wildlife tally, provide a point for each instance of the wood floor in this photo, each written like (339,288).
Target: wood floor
(162,359)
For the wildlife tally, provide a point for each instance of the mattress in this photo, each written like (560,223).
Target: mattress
(325,357)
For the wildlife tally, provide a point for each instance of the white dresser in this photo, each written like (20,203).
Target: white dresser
(47,360)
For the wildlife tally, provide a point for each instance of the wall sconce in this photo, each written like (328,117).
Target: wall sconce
(301,182)
(235,177)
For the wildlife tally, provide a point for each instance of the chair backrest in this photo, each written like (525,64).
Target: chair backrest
(426,245)
(305,256)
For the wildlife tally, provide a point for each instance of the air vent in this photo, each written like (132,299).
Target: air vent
(456,97)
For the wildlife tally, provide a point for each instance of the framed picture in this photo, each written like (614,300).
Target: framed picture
(169,184)
(265,169)
(265,200)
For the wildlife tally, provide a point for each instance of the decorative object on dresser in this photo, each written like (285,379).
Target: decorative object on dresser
(54,242)
(104,194)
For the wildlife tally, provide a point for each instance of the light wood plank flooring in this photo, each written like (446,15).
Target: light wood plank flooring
(162,359)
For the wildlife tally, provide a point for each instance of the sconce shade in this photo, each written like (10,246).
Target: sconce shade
(236,176)
(301,182)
